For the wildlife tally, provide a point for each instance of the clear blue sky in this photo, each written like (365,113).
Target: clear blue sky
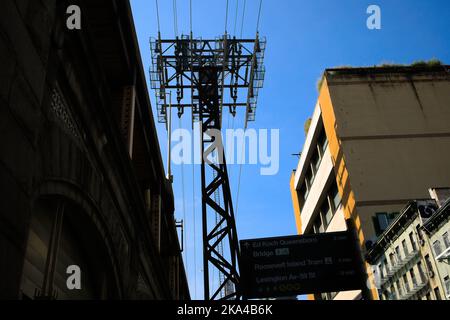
(303,38)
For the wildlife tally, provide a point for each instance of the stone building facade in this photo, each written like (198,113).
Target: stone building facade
(81,174)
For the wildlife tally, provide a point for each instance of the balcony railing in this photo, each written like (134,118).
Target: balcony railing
(391,296)
(418,285)
(400,263)
(414,290)
(409,256)
(383,280)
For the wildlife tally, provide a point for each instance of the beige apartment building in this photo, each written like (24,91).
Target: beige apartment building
(402,259)
(437,230)
(378,139)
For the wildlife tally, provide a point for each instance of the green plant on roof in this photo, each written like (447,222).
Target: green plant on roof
(391,65)
(424,64)
(307,125)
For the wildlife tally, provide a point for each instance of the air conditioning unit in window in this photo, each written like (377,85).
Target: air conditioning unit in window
(431,274)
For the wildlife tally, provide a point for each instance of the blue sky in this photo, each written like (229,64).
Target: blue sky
(303,38)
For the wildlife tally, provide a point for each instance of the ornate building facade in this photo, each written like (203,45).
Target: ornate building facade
(81,174)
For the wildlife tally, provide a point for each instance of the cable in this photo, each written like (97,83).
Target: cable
(243,16)
(195,239)
(226,19)
(259,15)
(184,211)
(175,18)
(157,15)
(190,14)
(236,17)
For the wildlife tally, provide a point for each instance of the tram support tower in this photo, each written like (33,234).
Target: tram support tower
(211,77)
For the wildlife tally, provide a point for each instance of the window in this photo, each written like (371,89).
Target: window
(327,210)
(412,241)
(309,178)
(446,240)
(421,274)
(437,293)
(327,213)
(327,296)
(397,253)
(380,222)
(429,264)
(419,232)
(413,277)
(322,142)
(399,288)
(315,162)
(447,285)
(335,196)
(318,225)
(406,282)
(405,248)
(306,190)
(381,267)
(302,194)
(437,247)
(393,295)
(392,259)
(428,296)
(383,220)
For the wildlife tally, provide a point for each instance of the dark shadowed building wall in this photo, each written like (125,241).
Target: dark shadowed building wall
(81,176)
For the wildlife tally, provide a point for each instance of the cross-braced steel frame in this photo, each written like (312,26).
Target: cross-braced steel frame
(208,76)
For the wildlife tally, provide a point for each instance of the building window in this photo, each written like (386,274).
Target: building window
(382,273)
(383,220)
(380,222)
(309,178)
(327,213)
(399,289)
(335,196)
(429,264)
(315,162)
(397,253)
(412,241)
(327,209)
(437,247)
(392,259)
(437,293)
(302,194)
(422,277)
(419,232)
(318,225)
(392,295)
(322,142)
(406,282)
(405,248)
(413,277)
(447,285)
(446,240)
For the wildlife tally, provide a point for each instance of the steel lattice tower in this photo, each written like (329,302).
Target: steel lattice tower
(210,77)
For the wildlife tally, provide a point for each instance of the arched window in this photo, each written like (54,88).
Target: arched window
(62,235)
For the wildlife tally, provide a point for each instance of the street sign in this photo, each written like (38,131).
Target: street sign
(295,265)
